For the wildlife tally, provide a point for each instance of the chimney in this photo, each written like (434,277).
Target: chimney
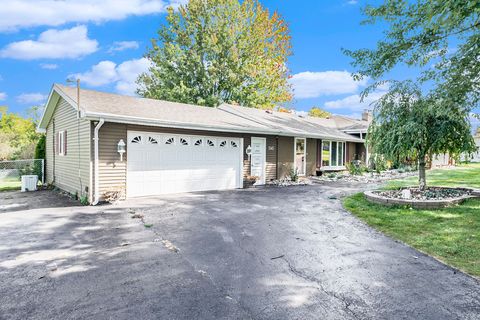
(367,115)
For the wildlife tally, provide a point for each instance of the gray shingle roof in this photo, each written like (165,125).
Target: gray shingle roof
(119,108)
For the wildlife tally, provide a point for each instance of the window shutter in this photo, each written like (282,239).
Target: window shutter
(65,142)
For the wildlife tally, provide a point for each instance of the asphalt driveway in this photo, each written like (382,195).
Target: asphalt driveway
(273,253)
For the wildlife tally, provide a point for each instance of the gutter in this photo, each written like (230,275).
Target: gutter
(97,191)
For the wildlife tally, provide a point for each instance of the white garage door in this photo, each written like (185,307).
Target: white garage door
(169,163)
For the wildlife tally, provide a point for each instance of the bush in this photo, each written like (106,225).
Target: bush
(293,174)
(84,200)
(40,148)
(355,168)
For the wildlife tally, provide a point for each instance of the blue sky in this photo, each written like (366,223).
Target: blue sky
(102,42)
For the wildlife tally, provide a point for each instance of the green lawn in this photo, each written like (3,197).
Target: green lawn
(10,184)
(461,176)
(451,234)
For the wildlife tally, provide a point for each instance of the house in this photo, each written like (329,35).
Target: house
(144,147)
(475,157)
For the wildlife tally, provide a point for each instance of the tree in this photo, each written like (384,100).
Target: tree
(318,113)
(215,51)
(40,148)
(441,37)
(18,136)
(408,124)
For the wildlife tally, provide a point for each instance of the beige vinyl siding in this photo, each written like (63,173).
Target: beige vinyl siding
(351,152)
(285,156)
(311,158)
(113,172)
(70,172)
(271,157)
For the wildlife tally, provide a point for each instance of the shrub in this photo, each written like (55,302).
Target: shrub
(40,148)
(293,174)
(84,200)
(355,168)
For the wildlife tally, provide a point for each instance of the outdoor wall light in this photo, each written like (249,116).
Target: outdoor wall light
(121,148)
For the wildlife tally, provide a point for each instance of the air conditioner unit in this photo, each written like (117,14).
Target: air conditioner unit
(29,183)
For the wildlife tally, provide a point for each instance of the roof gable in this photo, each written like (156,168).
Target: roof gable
(55,94)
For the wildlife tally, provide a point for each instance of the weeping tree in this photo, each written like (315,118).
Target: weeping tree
(215,51)
(408,124)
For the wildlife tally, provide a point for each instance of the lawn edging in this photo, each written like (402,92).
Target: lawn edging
(421,204)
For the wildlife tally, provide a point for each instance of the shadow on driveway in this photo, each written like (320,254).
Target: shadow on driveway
(272,253)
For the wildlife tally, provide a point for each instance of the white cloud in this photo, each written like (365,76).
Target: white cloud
(315,84)
(100,74)
(3,96)
(123,45)
(27,98)
(123,75)
(353,103)
(53,44)
(49,66)
(352,2)
(18,14)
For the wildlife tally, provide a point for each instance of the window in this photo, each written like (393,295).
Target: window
(341,158)
(333,154)
(170,141)
(233,144)
(198,142)
(183,142)
(223,143)
(333,157)
(137,139)
(210,143)
(62,143)
(325,153)
(152,140)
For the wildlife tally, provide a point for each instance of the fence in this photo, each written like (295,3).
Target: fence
(12,170)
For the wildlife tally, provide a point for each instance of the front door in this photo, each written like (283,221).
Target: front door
(258,159)
(300,161)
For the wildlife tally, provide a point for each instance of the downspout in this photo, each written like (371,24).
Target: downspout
(97,191)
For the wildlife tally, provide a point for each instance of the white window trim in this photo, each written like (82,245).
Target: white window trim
(304,154)
(336,167)
(61,143)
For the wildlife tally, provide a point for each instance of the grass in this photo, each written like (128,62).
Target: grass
(452,235)
(10,184)
(467,175)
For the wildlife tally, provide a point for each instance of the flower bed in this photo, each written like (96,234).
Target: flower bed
(287,182)
(367,177)
(431,198)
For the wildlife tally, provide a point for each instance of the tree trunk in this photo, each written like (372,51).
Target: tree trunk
(422,180)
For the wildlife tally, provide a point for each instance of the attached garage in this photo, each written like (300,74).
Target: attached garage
(170,163)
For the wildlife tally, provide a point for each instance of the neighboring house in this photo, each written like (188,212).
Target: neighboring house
(447,160)
(175,147)
(442,160)
(476,156)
